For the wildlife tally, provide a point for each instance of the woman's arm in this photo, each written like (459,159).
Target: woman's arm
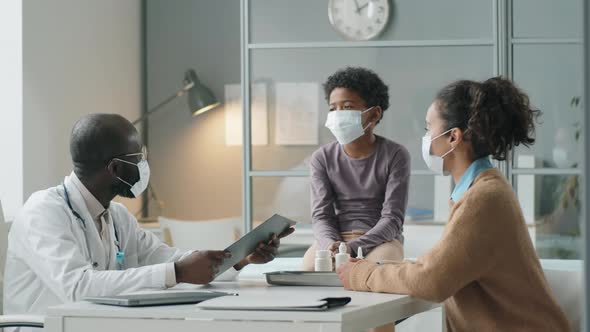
(468,249)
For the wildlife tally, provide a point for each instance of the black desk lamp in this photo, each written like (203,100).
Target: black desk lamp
(200,100)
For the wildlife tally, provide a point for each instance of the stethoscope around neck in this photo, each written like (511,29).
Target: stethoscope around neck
(120,254)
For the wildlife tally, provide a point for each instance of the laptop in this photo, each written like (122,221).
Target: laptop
(169,297)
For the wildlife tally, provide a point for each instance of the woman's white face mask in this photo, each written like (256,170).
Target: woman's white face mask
(435,163)
(346,125)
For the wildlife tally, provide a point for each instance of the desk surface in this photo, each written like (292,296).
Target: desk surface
(365,306)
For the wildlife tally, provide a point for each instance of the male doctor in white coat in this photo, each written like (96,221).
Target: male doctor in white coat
(71,241)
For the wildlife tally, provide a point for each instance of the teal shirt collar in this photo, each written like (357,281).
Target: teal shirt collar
(467,179)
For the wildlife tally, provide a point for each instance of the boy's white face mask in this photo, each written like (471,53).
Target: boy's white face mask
(346,125)
(435,163)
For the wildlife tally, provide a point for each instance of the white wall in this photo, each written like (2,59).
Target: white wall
(11,176)
(194,173)
(80,57)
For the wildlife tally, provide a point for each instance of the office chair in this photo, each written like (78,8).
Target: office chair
(12,320)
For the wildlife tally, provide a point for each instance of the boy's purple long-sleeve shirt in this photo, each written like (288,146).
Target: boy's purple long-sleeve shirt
(369,194)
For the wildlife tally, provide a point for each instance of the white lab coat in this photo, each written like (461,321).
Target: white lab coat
(48,262)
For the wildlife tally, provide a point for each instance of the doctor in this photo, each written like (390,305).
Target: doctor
(71,241)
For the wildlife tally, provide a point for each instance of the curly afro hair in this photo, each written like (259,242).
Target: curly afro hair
(495,115)
(363,81)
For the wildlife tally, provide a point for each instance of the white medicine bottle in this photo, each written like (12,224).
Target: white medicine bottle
(342,256)
(323,261)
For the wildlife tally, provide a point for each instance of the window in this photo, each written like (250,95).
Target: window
(547,176)
(11,115)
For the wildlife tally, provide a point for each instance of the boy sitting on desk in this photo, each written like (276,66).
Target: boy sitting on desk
(359,183)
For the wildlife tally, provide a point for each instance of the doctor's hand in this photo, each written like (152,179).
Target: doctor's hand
(265,252)
(199,267)
(344,272)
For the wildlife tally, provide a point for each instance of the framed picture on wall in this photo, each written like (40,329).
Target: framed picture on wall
(233,114)
(297,110)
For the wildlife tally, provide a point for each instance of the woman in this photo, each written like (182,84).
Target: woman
(359,183)
(485,268)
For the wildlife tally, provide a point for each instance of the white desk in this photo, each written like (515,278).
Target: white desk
(365,311)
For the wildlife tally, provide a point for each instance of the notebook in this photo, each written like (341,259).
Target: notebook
(268,303)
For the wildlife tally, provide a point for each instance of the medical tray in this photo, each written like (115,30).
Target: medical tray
(303,278)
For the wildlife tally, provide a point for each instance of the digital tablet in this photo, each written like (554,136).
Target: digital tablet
(246,245)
